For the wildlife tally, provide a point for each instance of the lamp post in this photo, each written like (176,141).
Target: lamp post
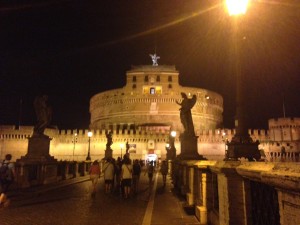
(167,145)
(74,142)
(241,144)
(168,151)
(172,148)
(225,141)
(121,146)
(90,134)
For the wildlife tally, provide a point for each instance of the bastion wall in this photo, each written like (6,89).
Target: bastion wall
(66,146)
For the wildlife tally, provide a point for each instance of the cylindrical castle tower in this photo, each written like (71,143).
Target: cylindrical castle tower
(149,99)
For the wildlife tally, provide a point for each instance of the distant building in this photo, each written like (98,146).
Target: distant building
(284,139)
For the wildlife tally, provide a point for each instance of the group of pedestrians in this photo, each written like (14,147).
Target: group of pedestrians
(123,176)
(119,175)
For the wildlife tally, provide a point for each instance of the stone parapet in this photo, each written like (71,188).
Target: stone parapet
(280,175)
(240,192)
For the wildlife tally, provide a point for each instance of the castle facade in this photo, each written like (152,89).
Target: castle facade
(149,100)
(143,113)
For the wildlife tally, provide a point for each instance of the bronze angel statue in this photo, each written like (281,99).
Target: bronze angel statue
(185,113)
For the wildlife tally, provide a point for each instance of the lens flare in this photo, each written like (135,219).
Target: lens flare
(237,7)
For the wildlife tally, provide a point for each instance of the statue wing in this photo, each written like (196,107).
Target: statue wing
(193,101)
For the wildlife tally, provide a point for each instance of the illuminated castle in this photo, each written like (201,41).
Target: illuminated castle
(149,100)
(143,113)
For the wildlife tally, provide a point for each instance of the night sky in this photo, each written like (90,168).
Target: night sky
(74,49)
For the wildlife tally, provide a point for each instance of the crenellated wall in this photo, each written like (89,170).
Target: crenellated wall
(66,146)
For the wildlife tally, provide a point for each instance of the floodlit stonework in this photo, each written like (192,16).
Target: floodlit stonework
(143,113)
(211,143)
(149,99)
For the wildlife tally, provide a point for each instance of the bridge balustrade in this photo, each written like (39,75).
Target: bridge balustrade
(235,192)
(31,174)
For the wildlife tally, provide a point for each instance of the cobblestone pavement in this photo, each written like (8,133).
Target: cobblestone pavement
(73,205)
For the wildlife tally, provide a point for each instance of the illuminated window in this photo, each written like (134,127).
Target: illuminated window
(146,90)
(152,91)
(158,90)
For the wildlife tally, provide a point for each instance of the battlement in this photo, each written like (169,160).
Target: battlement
(211,143)
(119,134)
(284,122)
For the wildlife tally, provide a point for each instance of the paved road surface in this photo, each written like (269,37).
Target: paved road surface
(73,205)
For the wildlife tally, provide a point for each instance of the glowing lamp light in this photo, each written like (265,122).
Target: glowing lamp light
(90,134)
(237,7)
(173,133)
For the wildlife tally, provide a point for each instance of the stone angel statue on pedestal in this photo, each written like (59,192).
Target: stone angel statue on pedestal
(185,113)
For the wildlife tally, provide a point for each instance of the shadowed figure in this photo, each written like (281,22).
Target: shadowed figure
(185,113)
(43,113)
(109,139)
(127,147)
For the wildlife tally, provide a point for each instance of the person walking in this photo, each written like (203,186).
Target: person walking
(94,175)
(136,172)
(108,170)
(164,171)
(150,172)
(126,176)
(7,177)
(118,168)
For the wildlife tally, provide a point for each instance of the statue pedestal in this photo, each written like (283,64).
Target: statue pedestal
(189,149)
(238,150)
(37,166)
(108,153)
(38,149)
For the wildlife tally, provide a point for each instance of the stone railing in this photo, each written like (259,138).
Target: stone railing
(40,173)
(234,192)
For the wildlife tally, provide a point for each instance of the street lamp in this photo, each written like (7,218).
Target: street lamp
(225,140)
(121,146)
(173,133)
(90,134)
(74,142)
(168,151)
(172,149)
(237,7)
(241,144)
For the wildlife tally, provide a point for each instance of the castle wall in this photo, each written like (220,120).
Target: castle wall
(65,146)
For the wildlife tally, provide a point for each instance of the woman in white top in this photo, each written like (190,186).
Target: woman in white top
(109,173)
(126,176)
